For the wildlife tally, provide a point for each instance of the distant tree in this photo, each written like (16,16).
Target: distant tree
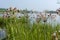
(2,9)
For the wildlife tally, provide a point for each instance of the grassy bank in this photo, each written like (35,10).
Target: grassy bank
(21,29)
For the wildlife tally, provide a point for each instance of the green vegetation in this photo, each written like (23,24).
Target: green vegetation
(21,11)
(2,10)
(21,29)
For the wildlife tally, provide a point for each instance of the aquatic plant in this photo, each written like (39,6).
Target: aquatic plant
(21,29)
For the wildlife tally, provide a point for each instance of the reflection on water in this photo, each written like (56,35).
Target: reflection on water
(1,15)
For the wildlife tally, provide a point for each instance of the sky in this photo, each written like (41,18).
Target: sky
(38,5)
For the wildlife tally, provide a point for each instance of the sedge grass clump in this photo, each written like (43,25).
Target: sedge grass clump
(21,29)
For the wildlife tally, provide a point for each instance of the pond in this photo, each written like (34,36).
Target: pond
(1,14)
